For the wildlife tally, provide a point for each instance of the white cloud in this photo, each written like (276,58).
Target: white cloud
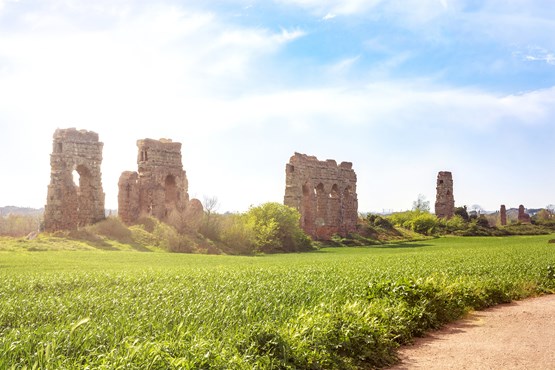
(540,55)
(287,36)
(193,77)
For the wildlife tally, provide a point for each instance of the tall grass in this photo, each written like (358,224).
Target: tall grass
(337,308)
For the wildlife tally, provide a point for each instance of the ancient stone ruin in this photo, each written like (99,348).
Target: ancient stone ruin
(75,154)
(523,217)
(445,202)
(503,215)
(324,193)
(159,187)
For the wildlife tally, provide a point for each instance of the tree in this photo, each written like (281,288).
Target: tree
(276,228)
(421,204)
(210,205)
(477,209)
(209,225)
(461,211)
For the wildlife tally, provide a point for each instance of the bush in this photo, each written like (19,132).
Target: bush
(453,224)
(237,234)
(142,237)
(417,221)
(112,228)
(379,221)
(276,228)
(425,224)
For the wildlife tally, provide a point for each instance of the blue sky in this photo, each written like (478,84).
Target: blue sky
(401,88)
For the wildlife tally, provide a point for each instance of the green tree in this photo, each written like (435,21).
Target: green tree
(276,228)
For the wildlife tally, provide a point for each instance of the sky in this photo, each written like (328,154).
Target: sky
(403,89)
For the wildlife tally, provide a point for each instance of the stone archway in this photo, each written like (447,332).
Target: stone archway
(70,205)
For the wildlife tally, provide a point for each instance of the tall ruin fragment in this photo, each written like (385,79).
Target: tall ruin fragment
(523,217)
(75,154)
(503,215)
(445,201)
(159,187)
(324,193)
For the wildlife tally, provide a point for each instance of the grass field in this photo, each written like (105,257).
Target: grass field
(335,308)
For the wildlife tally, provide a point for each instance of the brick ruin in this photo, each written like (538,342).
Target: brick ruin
(324,193)
(445,202)
(159,187)
(69,204)
(523,217)
(503,215)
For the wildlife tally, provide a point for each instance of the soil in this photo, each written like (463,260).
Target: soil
(518,335)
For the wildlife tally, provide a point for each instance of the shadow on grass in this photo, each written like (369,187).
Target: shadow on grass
(139,248)
(400,246)
(100,244)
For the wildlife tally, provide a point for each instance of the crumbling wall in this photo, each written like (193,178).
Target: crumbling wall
(68,204)
(159,187)
(445,201)
(324,193)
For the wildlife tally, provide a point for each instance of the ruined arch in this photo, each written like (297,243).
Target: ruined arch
(170,190)
(160,185)
(85,195)
(307,205)
(334,193)
(322,208)
(68,204)
(321,204)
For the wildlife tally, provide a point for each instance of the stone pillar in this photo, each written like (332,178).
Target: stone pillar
(503,215)
(445,201)
(523,217)
(68,204)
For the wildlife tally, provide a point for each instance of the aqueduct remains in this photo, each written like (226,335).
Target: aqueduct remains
(68,204)
(159,187)
(445,201)
(324,193)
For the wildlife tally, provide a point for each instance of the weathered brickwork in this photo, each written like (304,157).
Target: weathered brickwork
(445,201)
(324,193)
(70,205)
(503,215)
(523,217)
(159,187)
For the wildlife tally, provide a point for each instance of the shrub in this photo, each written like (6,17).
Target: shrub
(417,221)
(453,224)
(424,223)
(379,221)
(112,228)
(142,237)
(237,234)
(276,228)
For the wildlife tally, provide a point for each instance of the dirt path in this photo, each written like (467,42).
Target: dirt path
(519,335)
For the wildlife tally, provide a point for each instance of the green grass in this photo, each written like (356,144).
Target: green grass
(335,308)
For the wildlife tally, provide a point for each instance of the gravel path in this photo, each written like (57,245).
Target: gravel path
(518,335)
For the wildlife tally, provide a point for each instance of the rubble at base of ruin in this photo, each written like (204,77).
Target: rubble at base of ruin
(160,186)
(75,153)
(324,193)
(445,201)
